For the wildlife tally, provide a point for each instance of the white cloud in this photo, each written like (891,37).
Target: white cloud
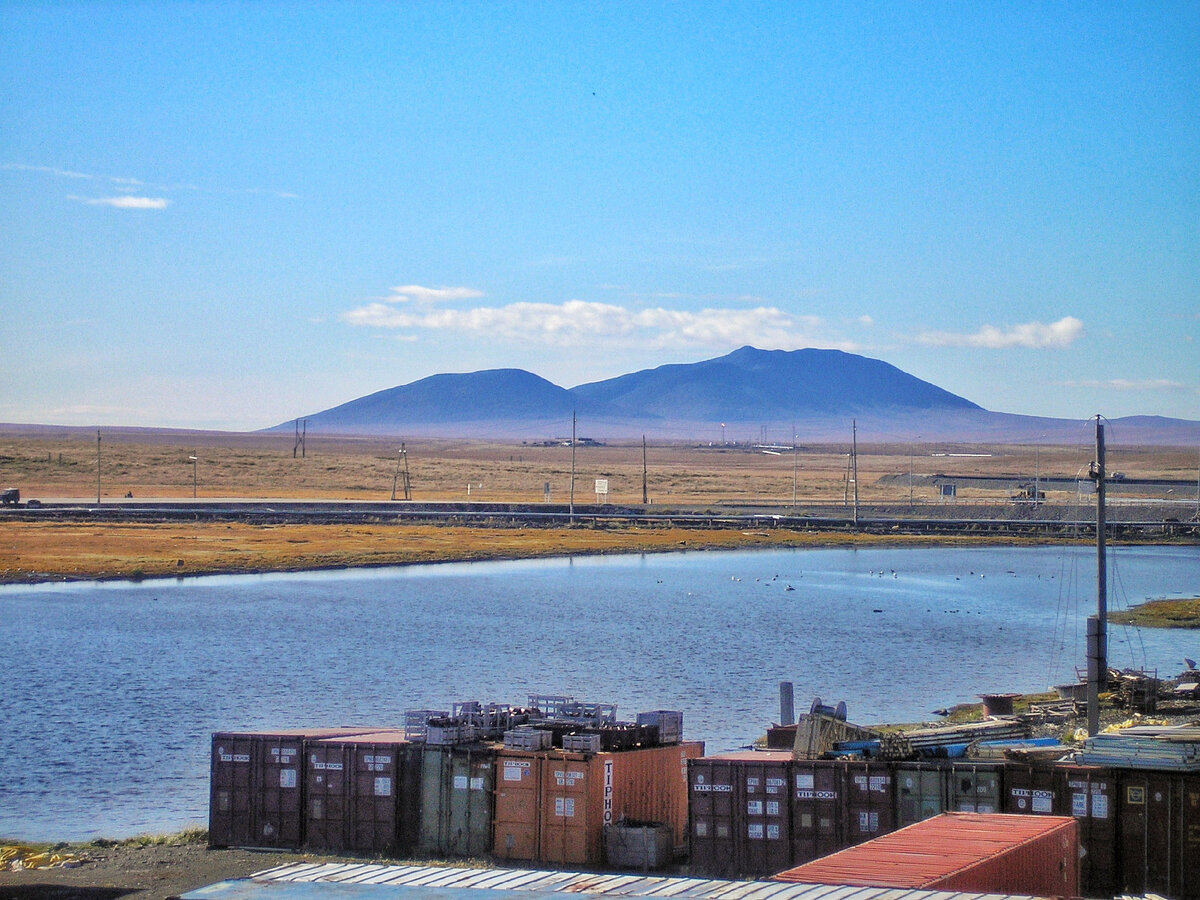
(126,201)
(1037,335)
(866,321)
(415,293)
(579,322)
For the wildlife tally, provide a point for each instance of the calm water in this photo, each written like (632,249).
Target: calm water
(111,691)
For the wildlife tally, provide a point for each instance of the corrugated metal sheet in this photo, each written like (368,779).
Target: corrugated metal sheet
(965,851)
(301,881)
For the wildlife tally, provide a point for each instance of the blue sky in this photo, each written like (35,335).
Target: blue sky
(225,215)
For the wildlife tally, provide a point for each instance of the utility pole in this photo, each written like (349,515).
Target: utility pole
(854,461)
(795,470)
(1097,625)
(195,461)
(645,494)
(97,466)
(572,507)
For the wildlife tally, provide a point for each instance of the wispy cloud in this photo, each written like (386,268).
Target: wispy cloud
(125,183)
(1126,384)
(578,322)
(415,293)
(1036,335)
(125,201)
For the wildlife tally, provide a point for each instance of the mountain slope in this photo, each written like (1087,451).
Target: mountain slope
(502,395)
(760,385)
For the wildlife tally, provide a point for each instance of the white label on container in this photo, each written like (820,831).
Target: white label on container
(564,807)
(804,780)
(754,808)
(1043,801)
(383,786)
(287,778)
(751,784)
(775,785)
(880,783)
(1079,805)
(755,832)
(772,832)
(772,807)
(461,782)
(377,759)
(1099,806)
(608,793)
(477,784)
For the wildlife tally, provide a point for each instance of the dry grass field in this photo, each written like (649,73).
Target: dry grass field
(156,465)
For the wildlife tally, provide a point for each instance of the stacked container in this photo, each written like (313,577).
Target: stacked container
(457,783)
(552,806)
(256,787)
(363,794)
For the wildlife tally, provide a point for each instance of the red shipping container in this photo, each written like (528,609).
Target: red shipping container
(256,787)
(970,852)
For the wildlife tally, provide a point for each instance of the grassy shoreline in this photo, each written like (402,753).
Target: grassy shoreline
(1181,613)
(37,552)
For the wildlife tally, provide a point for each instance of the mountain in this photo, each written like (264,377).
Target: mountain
(446,401)
(751,385)
(749,394)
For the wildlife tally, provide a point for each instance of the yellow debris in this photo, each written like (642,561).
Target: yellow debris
(15,859)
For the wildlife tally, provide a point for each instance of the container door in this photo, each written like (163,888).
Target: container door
(232,785)
(711,802)
(565,812)
(279,817)
(868,801)
(920,793)
(1189,836)
(765,829)
(972,787)
(1088,794)
(374,798)
(1146,828)
(1032,790)
(474,830)
(816,810)
(435,802)
(518,807)
(326,788)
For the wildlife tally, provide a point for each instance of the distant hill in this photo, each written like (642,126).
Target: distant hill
(751,385)
(748,394)
(494,395)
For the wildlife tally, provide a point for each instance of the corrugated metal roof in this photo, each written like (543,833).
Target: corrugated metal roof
(368,881)
(923,853)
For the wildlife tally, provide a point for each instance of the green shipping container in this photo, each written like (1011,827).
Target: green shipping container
(457,782)
(920,792)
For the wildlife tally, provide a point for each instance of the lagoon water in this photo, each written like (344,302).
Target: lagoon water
(111,691)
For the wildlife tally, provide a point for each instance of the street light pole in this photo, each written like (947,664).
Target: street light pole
(194,460)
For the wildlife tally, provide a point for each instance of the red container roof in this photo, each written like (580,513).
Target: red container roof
(927,852)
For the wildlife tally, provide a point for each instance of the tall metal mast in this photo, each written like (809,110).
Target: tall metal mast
(854,461)
(1097,625)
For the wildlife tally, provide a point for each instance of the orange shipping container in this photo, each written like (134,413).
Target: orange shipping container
(553,806)
(973,852)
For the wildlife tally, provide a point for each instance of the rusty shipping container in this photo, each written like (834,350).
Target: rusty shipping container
(740,814)
(869,792)
(818,804)
(362,793)
(1031,789)
(457,784)
(1089,795)
(967,852)
(553,806)
(1159,832)
(713,811)
(256,788)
